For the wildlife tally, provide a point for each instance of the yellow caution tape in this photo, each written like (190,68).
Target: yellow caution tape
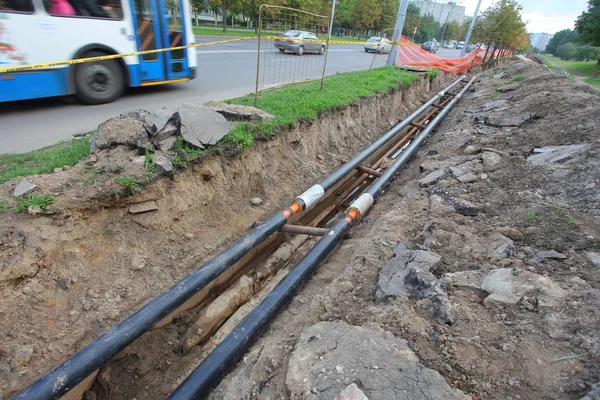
(141,53)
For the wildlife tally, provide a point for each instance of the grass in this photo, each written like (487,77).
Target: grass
(129,185)
(588,70)
(518,78)
(303,102)
(2,206)
(44,160)
(32,200)
(531,215)
(243,32)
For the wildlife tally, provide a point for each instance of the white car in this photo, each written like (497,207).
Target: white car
(379,45)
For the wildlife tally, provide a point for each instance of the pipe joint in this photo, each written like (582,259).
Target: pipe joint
(310,197)
(361,206)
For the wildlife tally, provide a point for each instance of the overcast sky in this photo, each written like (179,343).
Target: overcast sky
(548,16)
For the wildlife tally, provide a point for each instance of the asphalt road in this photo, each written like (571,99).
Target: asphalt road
(224,71)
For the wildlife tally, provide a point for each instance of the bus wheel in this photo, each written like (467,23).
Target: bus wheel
(98,82)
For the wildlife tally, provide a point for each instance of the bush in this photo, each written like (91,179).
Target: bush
(566,51)
(586,53)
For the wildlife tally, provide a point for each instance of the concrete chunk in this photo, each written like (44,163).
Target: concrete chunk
(469,177)
(145,206)
(433,177)
(23,187)
(201,126)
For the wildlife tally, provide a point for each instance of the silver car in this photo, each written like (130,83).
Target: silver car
(378,44)
(299,42)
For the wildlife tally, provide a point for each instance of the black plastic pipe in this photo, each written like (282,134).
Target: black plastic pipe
(76,368)
(210,372)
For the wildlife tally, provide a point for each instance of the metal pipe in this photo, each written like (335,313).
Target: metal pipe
(305,230)
(210,372)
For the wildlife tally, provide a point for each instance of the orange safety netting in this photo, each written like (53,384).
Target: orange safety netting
(412,55)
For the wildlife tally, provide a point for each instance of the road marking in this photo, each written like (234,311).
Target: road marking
(254,51)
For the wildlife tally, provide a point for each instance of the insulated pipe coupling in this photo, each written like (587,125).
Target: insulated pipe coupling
(311,196)
(361,205)
(441,94)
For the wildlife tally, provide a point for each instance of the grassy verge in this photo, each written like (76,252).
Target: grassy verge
(289,104)
(588,70)
(44,160)
(301,102)
(241,32)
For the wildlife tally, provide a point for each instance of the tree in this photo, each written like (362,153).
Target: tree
(389,11)
(412,20)
(451,31)
(365,14)
(223,7)
(197,7)
(429,29)
(586,53)
(560,38)
(588,25)
(566,51)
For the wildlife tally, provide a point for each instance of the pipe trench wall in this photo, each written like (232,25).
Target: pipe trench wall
(114,262)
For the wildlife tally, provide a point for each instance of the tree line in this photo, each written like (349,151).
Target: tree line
(579,44)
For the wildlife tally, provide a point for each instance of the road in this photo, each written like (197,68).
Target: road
(224,71)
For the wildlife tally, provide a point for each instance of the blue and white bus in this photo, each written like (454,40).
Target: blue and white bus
(45,31)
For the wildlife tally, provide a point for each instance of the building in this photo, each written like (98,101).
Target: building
(441,12)
(540,40)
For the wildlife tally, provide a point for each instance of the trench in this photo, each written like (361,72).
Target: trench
(205,208)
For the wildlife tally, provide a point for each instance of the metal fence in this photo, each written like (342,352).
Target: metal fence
(292,46)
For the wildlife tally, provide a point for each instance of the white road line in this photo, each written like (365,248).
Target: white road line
(252,51)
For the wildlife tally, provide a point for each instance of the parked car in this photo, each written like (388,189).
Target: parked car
(299,42)
(431,47)
(379,45)
(460,45)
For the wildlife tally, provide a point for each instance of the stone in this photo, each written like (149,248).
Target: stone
(487,106)
(454,203)
(469,177)
(256,201)
(500,75)
(142,207)
(558,154)
(508,88)
(352,392)
(383,365)
(122,130)
(483,176)
(501,248)
(433,177)
(202,126)
(401,246)
(594,393)
(91,160)
(408,274)
(491,161)
(456,172)
(166,144)
(138,262)
(470,150)
(164,162)
(511,119)
(23,187)
(21,357)
(237,112)
(594,258)
(511,233)
(507,286)
(552,254)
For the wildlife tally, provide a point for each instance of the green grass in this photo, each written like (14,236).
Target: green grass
(32,200)
(244,32)
(129,185)
(518,78)
(2,206)
(589,70)
(303,102)
(44,160)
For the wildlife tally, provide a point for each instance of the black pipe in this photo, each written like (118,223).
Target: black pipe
(338,175)
(72,371)
(210,372)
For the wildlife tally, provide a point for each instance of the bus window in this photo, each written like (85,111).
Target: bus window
(109,9)
(24,6)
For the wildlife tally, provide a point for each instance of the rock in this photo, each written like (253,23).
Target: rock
(454,203)
(507,286)
(552,254)
(469,177)
(154,121)
(401,246)
(594,393)
(483,176)
(166,144)
(594,258)
(201,126)
(511,233)
(558,154)
(21,357)
(145,206)
(491,161)
(237,112)
(408,274)
(122,130)
(171,129)
(384,366)
(433,177)
(91,160)
(138,262)
(501,248)
(500,75)
(506,120)
(256,201)
(487,106)
(470,150)
(456,172)
(164,162)
(474,166)
(188,236)
(23,187)
(352,392)
(57,169)
(509,87)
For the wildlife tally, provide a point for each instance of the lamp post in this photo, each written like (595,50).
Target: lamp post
(463,51)
(393,59)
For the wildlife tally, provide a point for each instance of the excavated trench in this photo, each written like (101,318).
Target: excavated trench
(80,272)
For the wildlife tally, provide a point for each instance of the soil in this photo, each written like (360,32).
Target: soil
(68,277)
(76,273)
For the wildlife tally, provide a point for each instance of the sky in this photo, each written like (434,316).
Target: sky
(549,16)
